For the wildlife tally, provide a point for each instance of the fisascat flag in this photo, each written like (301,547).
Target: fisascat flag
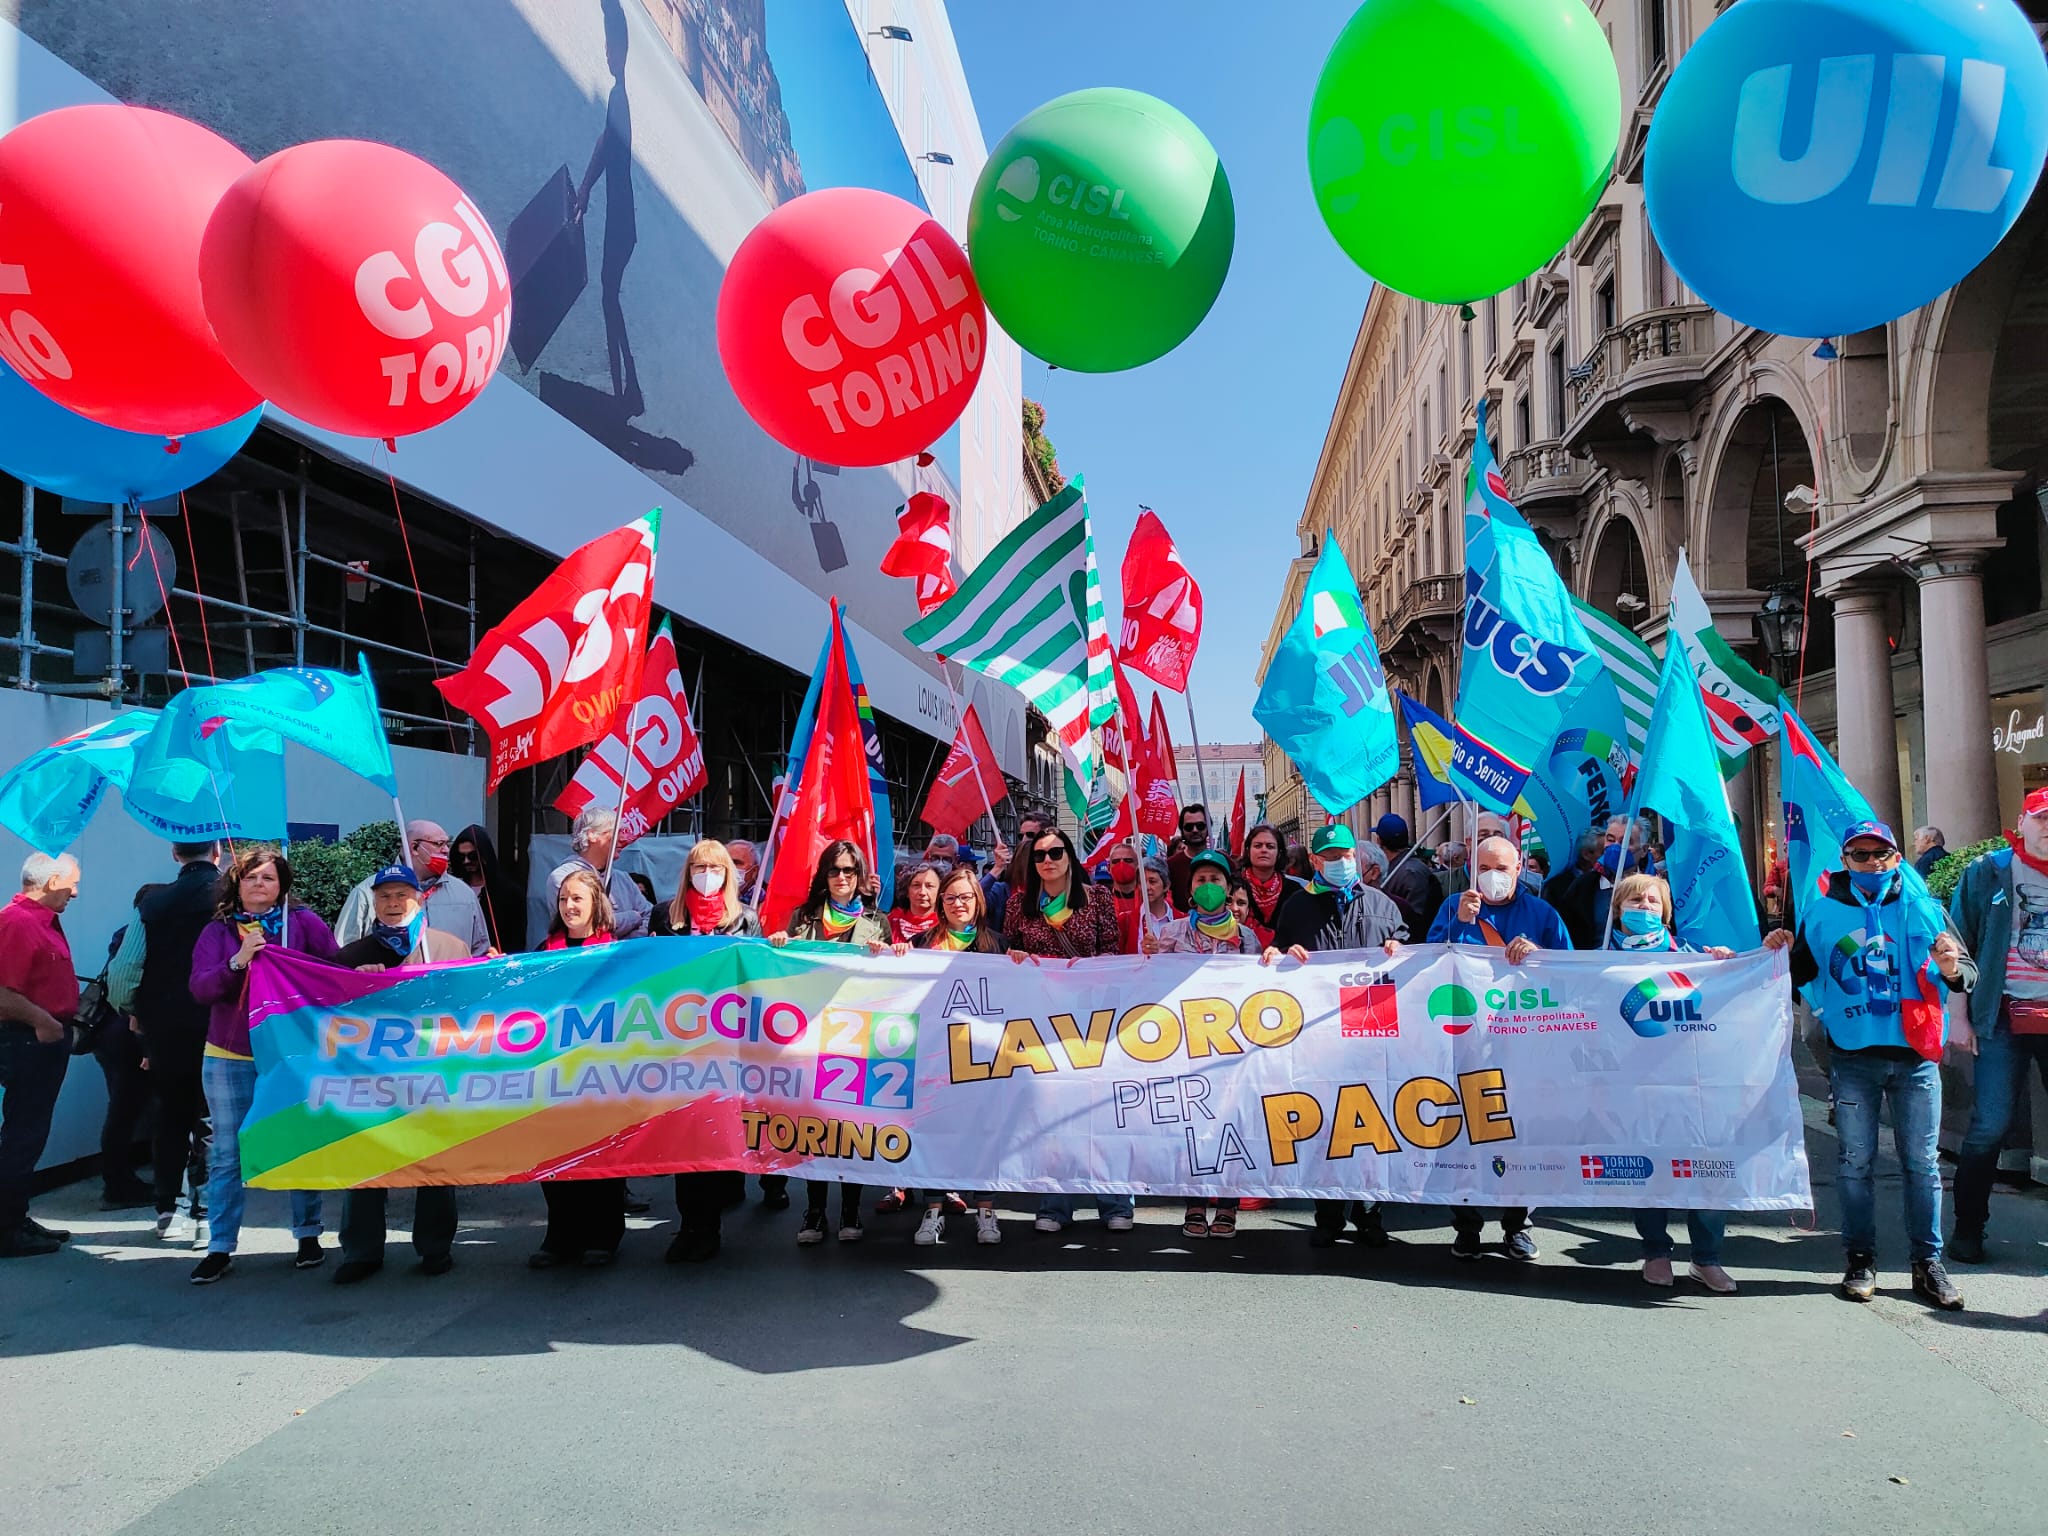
(1030,615)
(667,762)
(1742,704)
(560,670)
(1433,740)
(1527,655)
(330,712)
(1632,665)
(50,797)
(1324,699)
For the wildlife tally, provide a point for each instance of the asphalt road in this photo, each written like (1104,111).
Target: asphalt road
(1090,1382)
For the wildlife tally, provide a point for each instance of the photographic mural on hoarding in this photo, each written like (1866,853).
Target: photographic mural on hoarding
(622,149)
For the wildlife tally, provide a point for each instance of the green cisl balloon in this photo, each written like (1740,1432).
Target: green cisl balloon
(1101,230)
(1455,145)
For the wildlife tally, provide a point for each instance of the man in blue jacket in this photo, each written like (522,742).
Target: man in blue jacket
(1498,912)
(2001,910)
(1860,957)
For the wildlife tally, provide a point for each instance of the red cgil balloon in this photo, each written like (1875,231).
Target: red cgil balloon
(851,327)
(357,287)
(102,209)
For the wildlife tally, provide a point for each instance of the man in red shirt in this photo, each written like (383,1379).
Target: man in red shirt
(38,999)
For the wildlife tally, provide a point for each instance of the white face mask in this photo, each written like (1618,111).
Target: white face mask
(1494,884)
(708,881)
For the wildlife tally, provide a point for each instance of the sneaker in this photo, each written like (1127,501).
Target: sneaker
(1931,1281)
(437,1263)
(775,1199)
(1522,1246)
(22,1243)
(850,1230)
(1119,1223)
(892,1201)
(1712,1276)
(201,1232)
(956,1204)
(1657,1272)
(165,1220)
(929,1229)
(127,1197)
(1966,1246)
(212,1267)
(813,1229)
(1859,1280)
(1047,1224)
(310,1255)
(354,1271)
(986,1228)
(1466,1244)
(54,1234)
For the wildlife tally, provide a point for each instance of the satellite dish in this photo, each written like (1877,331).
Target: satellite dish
(148,573)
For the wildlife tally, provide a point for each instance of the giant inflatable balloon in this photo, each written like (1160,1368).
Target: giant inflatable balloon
(1456,145)
(102,209)
(1101,229)
(357,287)
(1818,167)
(851,327)
(61,451)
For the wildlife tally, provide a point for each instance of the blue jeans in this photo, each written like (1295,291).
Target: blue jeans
(1061,1207)
(1705,1228)
(2002,1058)
(1862,1081)
(230,1090)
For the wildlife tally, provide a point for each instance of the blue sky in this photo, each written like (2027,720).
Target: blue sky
(1221,436)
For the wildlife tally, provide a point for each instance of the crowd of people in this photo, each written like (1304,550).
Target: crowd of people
(176,980)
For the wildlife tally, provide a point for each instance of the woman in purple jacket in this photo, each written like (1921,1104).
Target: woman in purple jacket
(253,912)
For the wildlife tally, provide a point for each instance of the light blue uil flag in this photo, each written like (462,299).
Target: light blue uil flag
(1584,778)
(1681,780)
(1527,655)
(48,798)
(198,776)
(329,712)
(1325,698)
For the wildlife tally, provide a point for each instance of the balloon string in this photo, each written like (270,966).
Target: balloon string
(405,538)
(1806,607)
(178,648)
(198,592)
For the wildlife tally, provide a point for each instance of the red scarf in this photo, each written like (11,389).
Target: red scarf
(2038,866)
(904,927)
(707,913)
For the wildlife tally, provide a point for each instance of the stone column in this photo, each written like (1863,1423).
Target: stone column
(1864,713)
(1962,780)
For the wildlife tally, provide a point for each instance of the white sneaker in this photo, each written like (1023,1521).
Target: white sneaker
(201,1230)
(1047,1224)
(1119,1223)
(164,1222)
(986,1228)
(852,1232)
(929,1229)
(812,1231)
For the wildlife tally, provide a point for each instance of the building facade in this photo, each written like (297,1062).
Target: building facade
(1210,779)
(1887,487)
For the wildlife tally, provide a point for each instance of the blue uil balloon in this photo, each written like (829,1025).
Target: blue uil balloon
(1818,167)
(46,445)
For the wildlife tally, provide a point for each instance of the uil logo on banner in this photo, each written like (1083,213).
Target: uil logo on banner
(1657,1005)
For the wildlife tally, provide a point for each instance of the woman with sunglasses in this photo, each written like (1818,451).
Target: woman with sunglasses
(706,905)
(1055,916)
(962,927)
(835,912)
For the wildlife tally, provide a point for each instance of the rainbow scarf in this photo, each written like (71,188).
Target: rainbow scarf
(1054,909)
(1219,930)
(838,921)
(949,939)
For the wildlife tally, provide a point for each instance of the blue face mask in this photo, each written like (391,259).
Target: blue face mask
(1638,921)
(1870,884)
(1341,874)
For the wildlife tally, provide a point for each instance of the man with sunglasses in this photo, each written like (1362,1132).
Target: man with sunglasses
(1125,894)
(1862,949)
(1180,863)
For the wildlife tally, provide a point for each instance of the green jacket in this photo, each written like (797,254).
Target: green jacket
(1981,910)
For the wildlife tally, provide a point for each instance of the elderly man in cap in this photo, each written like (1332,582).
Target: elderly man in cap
(1861,950)
(449,901)
(38,1000)
(595,838)
(399,935)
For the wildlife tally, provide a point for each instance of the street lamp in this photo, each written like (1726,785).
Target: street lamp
(892,34)
(1781,626)
(937,157)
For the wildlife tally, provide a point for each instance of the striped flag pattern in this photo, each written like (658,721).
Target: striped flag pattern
(1030,615)
(1633,666)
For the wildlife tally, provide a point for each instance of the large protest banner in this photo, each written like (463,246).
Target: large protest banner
(1444,1075)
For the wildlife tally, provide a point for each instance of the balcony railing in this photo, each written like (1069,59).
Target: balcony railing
(1663,346)
(1544,471)
(1431,597)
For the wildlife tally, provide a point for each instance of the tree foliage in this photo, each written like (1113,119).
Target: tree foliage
(324,873)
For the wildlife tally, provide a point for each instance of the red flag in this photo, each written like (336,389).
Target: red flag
(832,799)
(1162,607)
(1119,740)
(1158,780)
(969,782)
(667,765)
(1237,820)
(923,549)
(559,671)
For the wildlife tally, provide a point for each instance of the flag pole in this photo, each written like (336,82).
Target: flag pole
(960,727)
(1442,816)
(1621,864)
(1187,697)
(633,713)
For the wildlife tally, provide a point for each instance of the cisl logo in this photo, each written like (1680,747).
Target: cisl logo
(1656,1005)
(1453,1008)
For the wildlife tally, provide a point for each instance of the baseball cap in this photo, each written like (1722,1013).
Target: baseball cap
(1876,829)
(1212,858)
(1335,838)
(2036,804)
(1390,825)
(394,874)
